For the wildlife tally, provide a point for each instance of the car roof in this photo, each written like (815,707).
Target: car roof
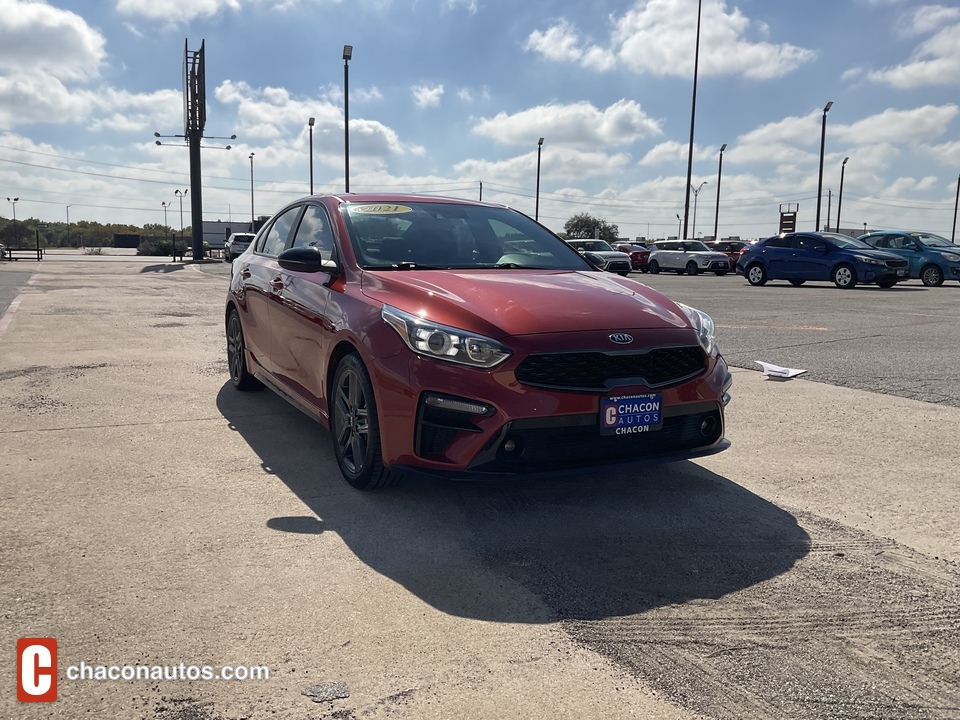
(398,198)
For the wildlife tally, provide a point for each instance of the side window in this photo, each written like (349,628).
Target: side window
(880,241)
(314,231)
(275,239)
(809,244)
(904,243)
(779,242)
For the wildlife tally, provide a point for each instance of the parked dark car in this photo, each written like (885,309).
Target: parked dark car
(603,256)
(236,244)
(802,256)
(932,258)
(464,339)
(638,254)
(730,248)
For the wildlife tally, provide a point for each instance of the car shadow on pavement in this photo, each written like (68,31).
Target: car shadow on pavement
(168,268)
(531,551)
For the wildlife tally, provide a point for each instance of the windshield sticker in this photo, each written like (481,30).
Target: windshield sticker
(379,209)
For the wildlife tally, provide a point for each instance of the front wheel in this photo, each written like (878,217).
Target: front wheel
(845,277)
(356,428)
(653,267)
(756,275)
(692,268)
(240,375)
(931,276)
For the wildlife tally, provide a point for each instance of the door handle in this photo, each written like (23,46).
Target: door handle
(277,283)
(245,273)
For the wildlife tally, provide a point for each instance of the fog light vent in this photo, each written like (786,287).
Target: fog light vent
(457,405)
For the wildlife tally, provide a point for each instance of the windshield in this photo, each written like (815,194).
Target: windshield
(933,240)
(846,242)
(433,235)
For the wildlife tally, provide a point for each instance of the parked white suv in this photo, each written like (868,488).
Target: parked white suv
(236,244)
(686,256)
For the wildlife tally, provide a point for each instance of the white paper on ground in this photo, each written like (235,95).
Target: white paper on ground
(778,371)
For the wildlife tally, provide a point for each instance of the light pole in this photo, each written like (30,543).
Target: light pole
(68,224)
(251,193)
(693,116)
(180,194)
(823,140)
(13,202)
(536,213)
(310,123)
(843,168)
(716,216)
(696,193)
(347,54)
(164,205)
(956,202)
(679,224)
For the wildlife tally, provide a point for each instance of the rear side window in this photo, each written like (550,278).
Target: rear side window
(275,239)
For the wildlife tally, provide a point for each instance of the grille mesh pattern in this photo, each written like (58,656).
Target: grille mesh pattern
(600,371)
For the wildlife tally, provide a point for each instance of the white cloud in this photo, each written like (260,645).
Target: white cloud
(918,125)
(946,154)
(657,37)
(559,163)
(427,95)
(40,40)
(936,61)
(576,125)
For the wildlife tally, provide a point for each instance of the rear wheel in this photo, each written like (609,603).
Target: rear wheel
(931,276)
(797,283)
(844,277)
(692,268)
(240,376)
(356,428)
(653,267)
(756,275)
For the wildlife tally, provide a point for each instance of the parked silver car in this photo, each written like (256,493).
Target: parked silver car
(686,256)
(601,254)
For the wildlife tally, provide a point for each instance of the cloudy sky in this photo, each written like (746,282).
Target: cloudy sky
(448,96)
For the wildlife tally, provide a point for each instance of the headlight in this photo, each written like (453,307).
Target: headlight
(950,257)
(444,342)
(869,260)
(704,326)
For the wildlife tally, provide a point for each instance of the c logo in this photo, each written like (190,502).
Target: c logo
(36,670)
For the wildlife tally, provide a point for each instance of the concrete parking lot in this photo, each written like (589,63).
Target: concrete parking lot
(153,516)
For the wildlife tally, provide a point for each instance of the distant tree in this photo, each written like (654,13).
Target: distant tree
(585,226)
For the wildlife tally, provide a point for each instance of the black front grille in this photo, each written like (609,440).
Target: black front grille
(550,446)
(603,371)
(897,263)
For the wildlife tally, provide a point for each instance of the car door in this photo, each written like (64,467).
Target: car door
(302,327)
(809,259)
(671,256)
(777,255)
(260,275)
(909,249)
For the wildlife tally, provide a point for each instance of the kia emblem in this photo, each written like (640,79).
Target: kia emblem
(621,338)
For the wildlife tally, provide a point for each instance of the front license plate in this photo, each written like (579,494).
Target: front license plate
(901,271)
(630,414)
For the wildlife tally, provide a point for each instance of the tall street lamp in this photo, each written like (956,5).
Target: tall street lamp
(347,54)
(180,194)
(251,193)
(823,140)
(164,205)
(696,193)
(679,224)
(693,116)
(68,224)
(13,202)
(536,213)
(956,202)
(716,217)
(843,168)
(310,122)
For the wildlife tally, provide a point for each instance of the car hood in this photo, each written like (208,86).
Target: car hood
(502,303)
(872,253)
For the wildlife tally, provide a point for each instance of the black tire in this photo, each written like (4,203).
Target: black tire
(240,375)
(931,275)
(797,283)
(844,276)
(692,268)
(756,274)
(355,428)
(653,267)
(886,284)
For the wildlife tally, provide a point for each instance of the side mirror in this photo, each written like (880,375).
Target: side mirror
(307,260)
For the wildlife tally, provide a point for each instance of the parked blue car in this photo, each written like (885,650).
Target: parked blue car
(803,256)
(932,258)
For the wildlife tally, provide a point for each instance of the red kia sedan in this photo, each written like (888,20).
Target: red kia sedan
(463,339)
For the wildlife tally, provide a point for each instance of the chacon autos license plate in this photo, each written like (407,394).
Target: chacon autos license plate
(630,414)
